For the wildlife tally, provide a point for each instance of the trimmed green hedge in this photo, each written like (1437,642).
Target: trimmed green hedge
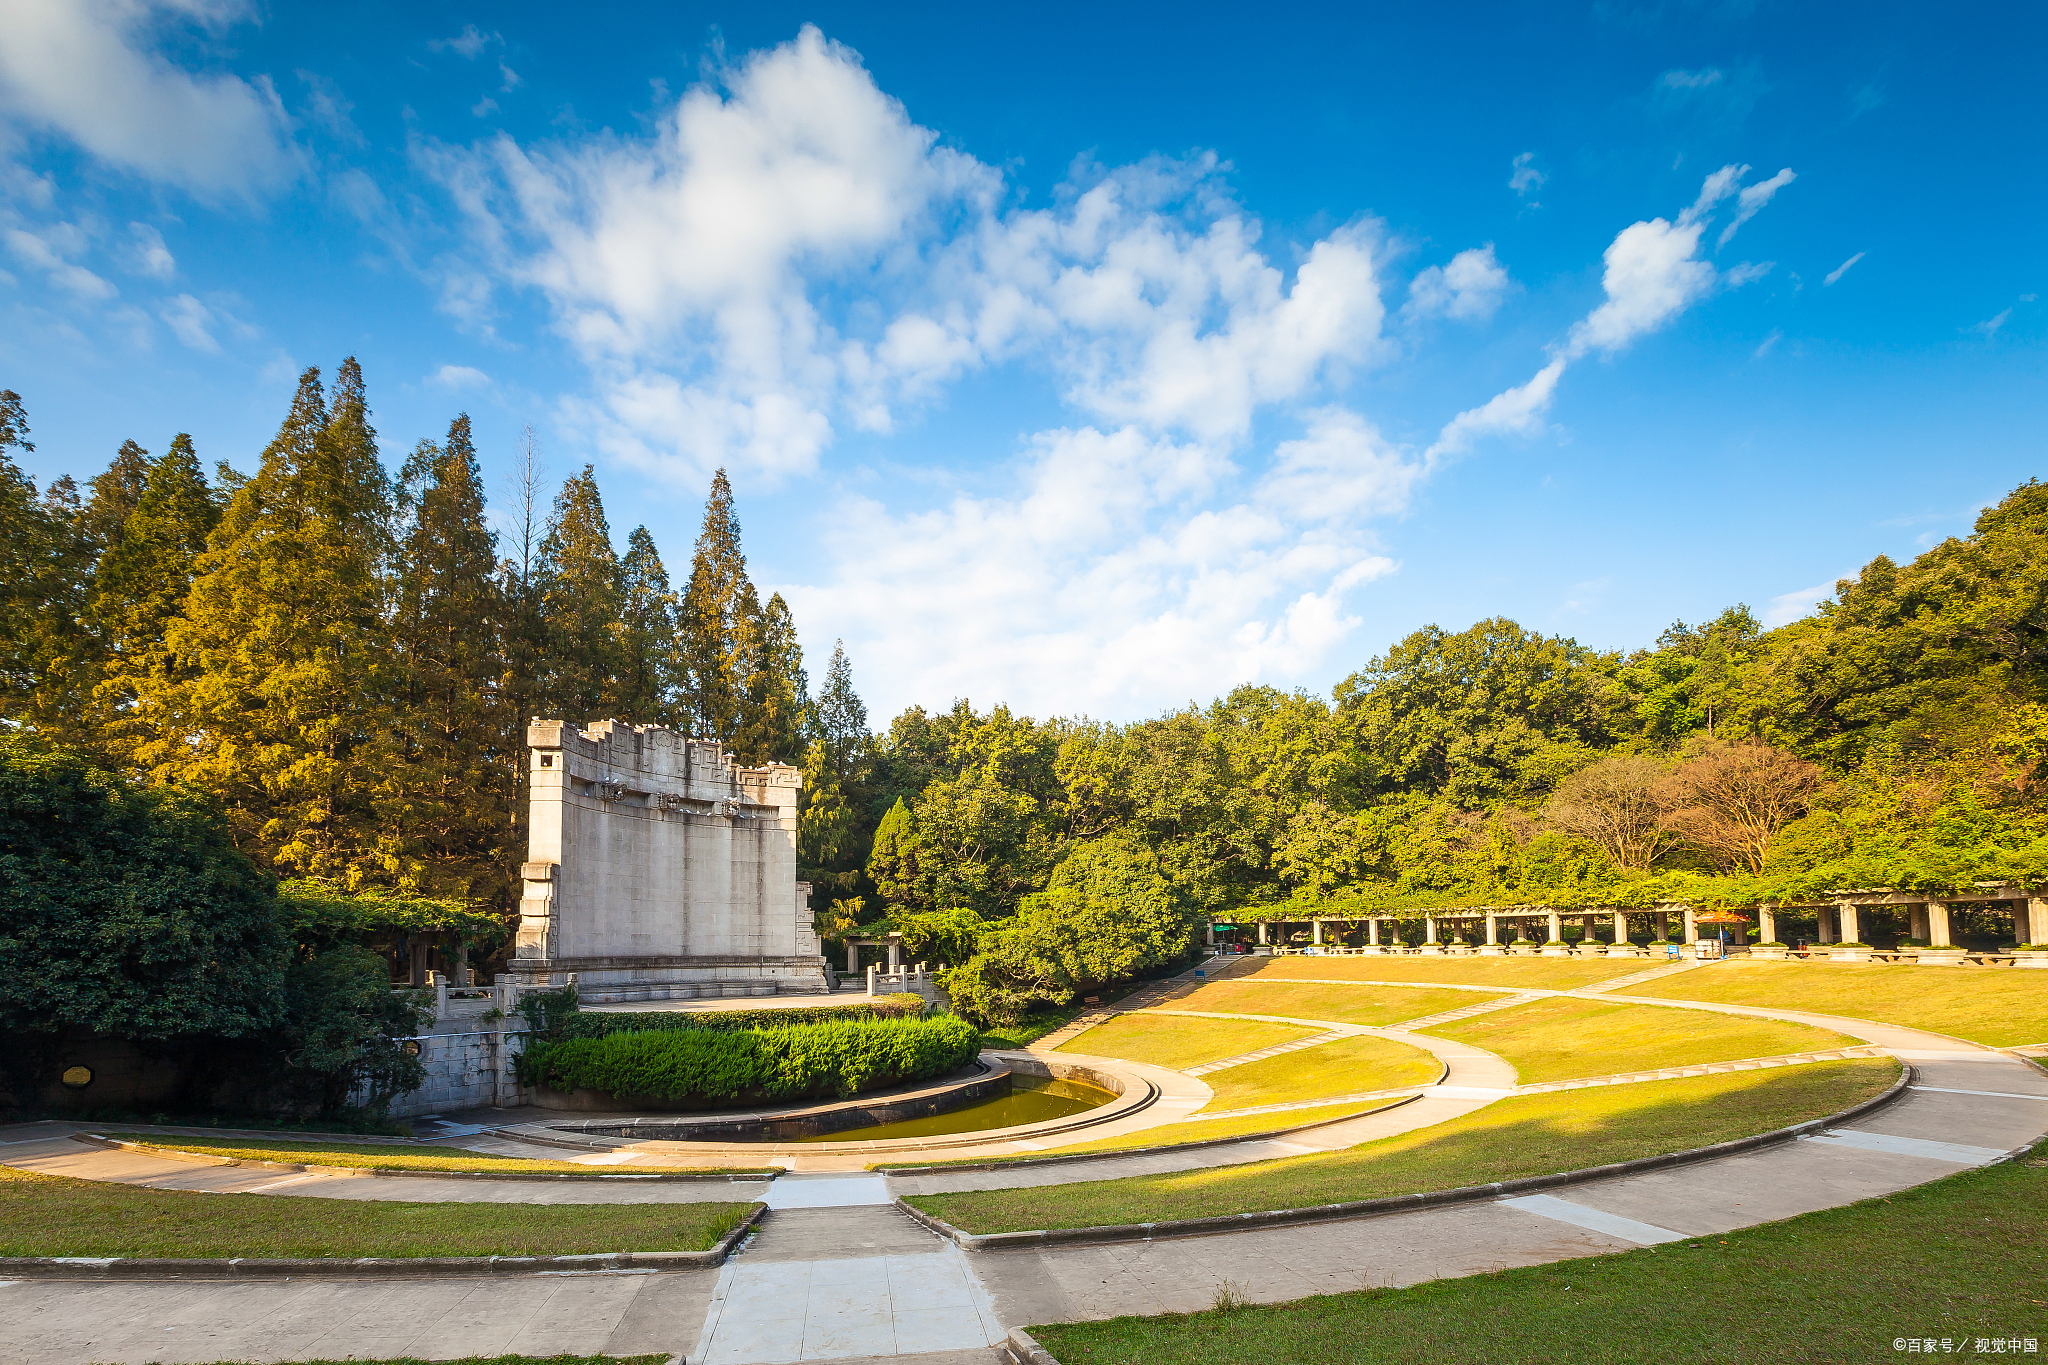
(696,1068)
(584,1024)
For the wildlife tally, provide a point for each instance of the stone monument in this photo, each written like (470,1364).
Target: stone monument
(659,869)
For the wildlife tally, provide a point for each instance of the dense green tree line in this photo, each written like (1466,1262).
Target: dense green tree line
(344,659)
(1896,738)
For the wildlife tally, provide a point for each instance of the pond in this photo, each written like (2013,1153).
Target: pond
(1031,1099)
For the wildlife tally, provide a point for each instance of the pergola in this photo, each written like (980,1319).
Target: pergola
(1838,919)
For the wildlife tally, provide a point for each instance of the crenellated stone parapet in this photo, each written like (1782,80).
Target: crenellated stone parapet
(657,865)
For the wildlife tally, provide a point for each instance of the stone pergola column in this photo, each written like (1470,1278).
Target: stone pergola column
(2031,915)
(1663,924)
(852,958)
(895,955)
(1262,932)
(1824,924)
(1316,929)
(1691,930)
(1621,928)
(1429,928)
(1493,931)
(1372,931)
(1846,922)
(1767,923)
(1556,928)
(1937,925)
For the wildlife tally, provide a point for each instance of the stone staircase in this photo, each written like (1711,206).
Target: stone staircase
(1467,1011)
(1637,978)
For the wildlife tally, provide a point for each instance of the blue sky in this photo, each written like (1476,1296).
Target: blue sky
(1092,364)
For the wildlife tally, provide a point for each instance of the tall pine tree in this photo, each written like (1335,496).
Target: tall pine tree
(580,599)
(720,621)
(287,714)
(140,588)
(448,803)
(44,570)
(647,693)
(774,722)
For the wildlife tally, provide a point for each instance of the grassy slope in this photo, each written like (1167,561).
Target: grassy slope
(1202,1130)
(394,1157)
(45,1215)
(1957,1258)
(1345,1067)
(1373,1006)
(1561,1039)
(2001,1006)
(1164,1040)
(1528,1135)
(1509,973)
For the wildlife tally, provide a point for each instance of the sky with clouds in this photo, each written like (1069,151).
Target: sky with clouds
(1094,365)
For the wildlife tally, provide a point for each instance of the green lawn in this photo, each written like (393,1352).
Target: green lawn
(1999,1006)
(48,1215)
(1348,1066)
(1562,1039)
(1960,1258)
(1166,1040)
(1509,973)
(1521,1136)
(1373,1006)
(395,1157)
(1202,1130)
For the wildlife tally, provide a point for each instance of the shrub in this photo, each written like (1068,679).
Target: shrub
(1109,915)
(586,1025)
(700,1068)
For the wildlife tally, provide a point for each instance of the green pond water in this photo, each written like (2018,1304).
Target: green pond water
(1026,1103)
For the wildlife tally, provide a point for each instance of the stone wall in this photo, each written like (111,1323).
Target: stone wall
(655,862)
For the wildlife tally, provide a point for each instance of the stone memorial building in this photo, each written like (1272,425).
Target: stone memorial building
(659,869)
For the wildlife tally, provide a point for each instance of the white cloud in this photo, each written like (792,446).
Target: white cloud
(1768,344)
(1990,325)
(83,68)
(1788,607)
(1469,287)
(1752,199)
(1842,269)
(512,80)
(1517,411)
(1691,80)
(459,377)
(1525,179)
(1086,592)
(48,249)
(704,272)
(468,43)
(189,319)
(1654,273)
(785,256)
(149,255)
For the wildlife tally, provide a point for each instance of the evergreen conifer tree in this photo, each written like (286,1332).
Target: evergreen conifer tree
(448,808)
(44,571)
(775,723)
(116,493)
(719,621)
(647,691)
(580,605)
(840,720)
(286,715)
(140,588)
